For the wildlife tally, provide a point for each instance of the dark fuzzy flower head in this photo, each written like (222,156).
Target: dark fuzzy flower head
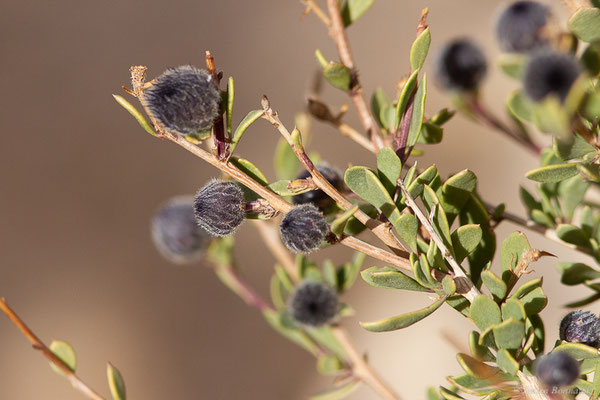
(461,65)
(184,100)
(557,369)
(303,229)
(175,232)
(550,73)
(318,197)
(220,207)
(520,26)
(313,304)
(581,327)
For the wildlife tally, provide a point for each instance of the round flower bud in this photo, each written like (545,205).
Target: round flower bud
(581,327)
(550,73)
(461,65)
(175,232)
(313,304)
(220,207)
(184,100)
(519,27)
(303,229)
(557,369)
(318,197)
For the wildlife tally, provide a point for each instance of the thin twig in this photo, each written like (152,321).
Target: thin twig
(233,281)
(360,368)
(338,33)
(487,117)
(314,7)
(57,362)
(460,277)
(378,227)
(354,135)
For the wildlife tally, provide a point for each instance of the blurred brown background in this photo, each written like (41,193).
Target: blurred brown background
(81,180)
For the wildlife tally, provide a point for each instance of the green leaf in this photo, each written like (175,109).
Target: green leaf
(389,168)
(592,105)
(576,273)
(339,224)
(65,353)
(325,337)
(585,24)
(527,287)
(540,217)
(553,173)
(578,351)
(495,285)
(535,323)
(380,102)
(293,334)
(485,312)
(469,384)
(276,292)
(230,98)
(404,320)
(506,362)
(348,273)
(443,116)
(572,147)
(328,364)
(511,252)
(431,134)
(419,50)
(520,106)
(252,171)
(353,10)
(448,395)
(416,121)
(285,161)
(135,113)
(407,91)
(551,117)
(509,334)
(365,183)
(572,234)
(478,351)
(534,301)
(407,227)
(432,394)
(464,240)
(338,75)
(474,212)
(116,383)
(512,65)
(571,193)
(513,308)
(248,120)
(456,191)
(448,285)
(337,393)
(389,278)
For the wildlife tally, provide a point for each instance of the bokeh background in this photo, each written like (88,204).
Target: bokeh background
(80,181)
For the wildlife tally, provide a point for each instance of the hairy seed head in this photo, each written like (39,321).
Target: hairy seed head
(184,100)
(303,229)
(461,65)
(318,197)
(557,369)
(220,207)
(175,232)
(581,327)
(313,304)
(520,26)
(550,73)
